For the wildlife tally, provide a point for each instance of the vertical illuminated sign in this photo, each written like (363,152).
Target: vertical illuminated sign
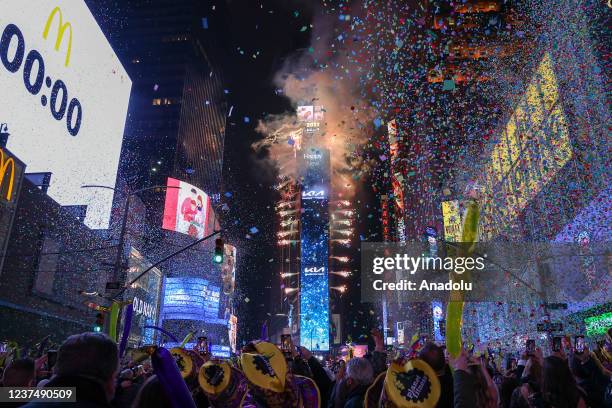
(397,179)
(452,221)
(530,150)
(437,313)
(314,285)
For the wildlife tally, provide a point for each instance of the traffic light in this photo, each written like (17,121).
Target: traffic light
(218,256)
(99,323)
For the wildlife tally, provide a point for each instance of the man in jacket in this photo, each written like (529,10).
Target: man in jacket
(88,362)
(350,391)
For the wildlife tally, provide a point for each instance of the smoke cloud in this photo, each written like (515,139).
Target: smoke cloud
(320,77)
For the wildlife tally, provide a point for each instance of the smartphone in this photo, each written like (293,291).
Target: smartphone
(51,358)
(579,344)
(530,347)
(203,344)
(286,343)
(556,346)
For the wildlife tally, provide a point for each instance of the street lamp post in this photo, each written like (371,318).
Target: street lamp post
(117,269)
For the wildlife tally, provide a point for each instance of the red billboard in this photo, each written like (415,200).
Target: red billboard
(187,209)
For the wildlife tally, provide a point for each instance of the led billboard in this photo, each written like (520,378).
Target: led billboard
(314,168)
(312,116)
(228,269)
(397,179)
(232,328)
(186,209)
(68,100)
(145,297)
(532,148)
(452,221)
(11,176)
(191,298)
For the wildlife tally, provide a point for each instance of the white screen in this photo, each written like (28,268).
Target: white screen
(94,76)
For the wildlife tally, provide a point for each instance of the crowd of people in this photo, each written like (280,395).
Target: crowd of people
(263,375)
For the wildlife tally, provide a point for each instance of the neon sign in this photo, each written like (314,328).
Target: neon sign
(5,162)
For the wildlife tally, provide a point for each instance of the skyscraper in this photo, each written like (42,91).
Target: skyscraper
(176,123)
(175,129)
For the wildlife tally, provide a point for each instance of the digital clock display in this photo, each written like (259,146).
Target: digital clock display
(33,74)
(65,97)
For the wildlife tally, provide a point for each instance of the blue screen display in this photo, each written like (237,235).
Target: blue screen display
(314,287)
(191,298)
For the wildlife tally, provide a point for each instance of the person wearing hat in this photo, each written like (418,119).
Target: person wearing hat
(473,386)
(433,355)
(316,372)
(224,385)
(405,384)
(270,382)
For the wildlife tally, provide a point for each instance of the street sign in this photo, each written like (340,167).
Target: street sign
(113,285)
(550,327)
(556,306)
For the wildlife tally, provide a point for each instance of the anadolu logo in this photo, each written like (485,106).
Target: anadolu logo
(60,32)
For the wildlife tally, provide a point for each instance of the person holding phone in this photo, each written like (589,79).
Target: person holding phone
(202,345)
(559,387)
(528,394)
(589,377)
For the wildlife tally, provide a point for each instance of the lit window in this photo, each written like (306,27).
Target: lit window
(157,102)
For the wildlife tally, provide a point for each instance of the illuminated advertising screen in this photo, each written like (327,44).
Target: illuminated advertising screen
(191,298)
(314,167)
(11,176)
(228,269)
(232,327)
(598,325)
(311,116)
(437,312)
(452,221)
(220,351)
(186,209)
(145,297)
(68,100)
(397,179)
(532,148)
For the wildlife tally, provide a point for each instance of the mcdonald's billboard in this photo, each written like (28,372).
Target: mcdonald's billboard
(11,176)
(65,98)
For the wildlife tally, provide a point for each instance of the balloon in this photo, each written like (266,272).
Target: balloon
(127,325)
(114,316)
(170,379)
(454,311)
(470,224)
(454,316)
(186,339)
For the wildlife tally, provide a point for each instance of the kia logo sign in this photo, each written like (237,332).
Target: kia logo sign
(317,194)
(313,270)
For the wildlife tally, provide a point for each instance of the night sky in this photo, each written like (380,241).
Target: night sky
(271,29)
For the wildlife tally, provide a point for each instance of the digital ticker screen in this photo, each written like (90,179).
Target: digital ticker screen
(314,290)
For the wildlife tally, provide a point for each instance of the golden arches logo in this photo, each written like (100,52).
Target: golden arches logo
(5,162)
(60,32)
